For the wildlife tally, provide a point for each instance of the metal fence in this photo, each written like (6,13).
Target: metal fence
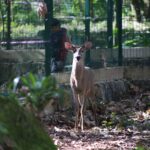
(24,23)
(135,37)
(27,28)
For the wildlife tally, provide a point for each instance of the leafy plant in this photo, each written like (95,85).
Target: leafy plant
(140,148)
(121,121)
(40,90)
(19,129)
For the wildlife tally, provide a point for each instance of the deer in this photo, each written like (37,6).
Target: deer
(81,81)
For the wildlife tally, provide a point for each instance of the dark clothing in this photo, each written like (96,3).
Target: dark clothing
(59,53)
(56,66)
(58,39)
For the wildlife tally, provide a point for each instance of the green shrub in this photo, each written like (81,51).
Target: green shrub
(20,130)
(41,90)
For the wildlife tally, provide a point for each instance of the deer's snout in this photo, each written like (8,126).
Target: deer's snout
(78,57)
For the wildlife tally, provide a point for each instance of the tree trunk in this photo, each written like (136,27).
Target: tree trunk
(146,9)
(80,6)
(92,8)
(137,7)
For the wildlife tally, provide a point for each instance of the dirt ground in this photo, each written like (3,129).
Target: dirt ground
(99,139)
(123,125)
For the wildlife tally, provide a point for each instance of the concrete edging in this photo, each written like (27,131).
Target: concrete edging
(113,73)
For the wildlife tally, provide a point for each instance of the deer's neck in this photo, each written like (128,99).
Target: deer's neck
(78,69)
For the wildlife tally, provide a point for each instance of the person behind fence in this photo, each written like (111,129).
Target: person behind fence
(58,38)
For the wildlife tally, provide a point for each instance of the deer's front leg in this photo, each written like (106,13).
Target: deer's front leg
(77,117)
(81,101)
(76,106)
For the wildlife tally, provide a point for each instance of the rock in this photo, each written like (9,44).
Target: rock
(50,108)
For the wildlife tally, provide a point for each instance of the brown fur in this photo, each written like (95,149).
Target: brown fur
(81,82)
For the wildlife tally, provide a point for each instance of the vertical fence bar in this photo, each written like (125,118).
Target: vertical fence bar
(48,48)
(87,28)
(119,27)
(8,6)
(110,5)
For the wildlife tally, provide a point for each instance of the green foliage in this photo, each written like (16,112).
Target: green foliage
(2,19)
(41,90)
(140,148)
(20,128)
(3,131)
(77,8)
(25,20)
(121,121)
(23,13)
(137,40)
(2,10)
(25,30)
(100,8)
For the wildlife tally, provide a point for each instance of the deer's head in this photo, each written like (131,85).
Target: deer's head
(78,51)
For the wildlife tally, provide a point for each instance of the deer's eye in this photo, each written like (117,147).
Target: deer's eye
(82,50)
(74,50)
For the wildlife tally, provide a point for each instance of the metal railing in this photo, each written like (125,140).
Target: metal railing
(26,33)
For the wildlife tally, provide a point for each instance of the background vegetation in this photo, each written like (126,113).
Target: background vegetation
(22,103)
(26,24)
(19,129)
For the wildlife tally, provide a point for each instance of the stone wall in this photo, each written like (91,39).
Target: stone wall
(15,62)
(112,82)
(18,62)
(137,72)
(113,73)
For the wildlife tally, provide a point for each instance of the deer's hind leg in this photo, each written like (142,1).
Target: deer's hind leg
(93,104)
(77,119)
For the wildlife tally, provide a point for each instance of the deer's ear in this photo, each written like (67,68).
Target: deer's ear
(68,45)
(88,45)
